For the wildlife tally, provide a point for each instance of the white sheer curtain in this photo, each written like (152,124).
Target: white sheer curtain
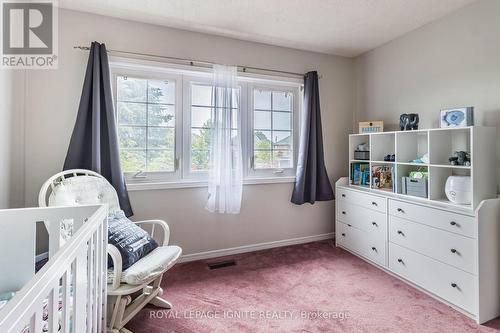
(225,170)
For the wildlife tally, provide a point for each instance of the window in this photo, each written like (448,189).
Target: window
(200,114)
(164,120)
(272,129)
(146,124)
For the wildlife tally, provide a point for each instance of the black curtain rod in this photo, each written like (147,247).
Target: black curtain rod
(193,62)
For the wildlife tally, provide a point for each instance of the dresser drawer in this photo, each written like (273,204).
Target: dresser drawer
(453,285)
(457,223)
(362,218)
(367,245)
(452,249)
(362,199)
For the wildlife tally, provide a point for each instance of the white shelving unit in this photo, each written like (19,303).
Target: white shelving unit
(439,144)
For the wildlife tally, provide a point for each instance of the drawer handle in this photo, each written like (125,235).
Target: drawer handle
(454,285)
(349,225)
(374,248)
(375,224)
(455,224)
(374,203)
(453,251)
(400,260)
(401,233)
(343,195)
(343,212)
(343,234)
(401,210)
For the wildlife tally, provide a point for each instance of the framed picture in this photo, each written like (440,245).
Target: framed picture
(371,126)
(457,117)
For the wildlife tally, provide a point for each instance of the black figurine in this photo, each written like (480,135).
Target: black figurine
(408,121)
(460,158)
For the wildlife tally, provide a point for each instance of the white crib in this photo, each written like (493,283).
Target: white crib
(69,293)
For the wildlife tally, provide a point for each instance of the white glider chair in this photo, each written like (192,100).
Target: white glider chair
(129,290)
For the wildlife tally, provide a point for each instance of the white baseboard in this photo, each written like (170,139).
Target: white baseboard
(254,247)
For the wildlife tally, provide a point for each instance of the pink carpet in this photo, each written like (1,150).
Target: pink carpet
(304,288)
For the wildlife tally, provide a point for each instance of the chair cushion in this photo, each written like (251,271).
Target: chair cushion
(150,266)
(132,241)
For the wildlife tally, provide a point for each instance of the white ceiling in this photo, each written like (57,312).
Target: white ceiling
(341,27)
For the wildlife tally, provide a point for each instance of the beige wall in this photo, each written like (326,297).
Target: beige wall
(454,61)
(11,136)
(267,215)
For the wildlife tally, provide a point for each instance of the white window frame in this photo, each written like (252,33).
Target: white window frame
(296,110)
(184,76)
(159,176)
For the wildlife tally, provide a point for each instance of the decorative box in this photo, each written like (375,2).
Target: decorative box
(361,155)
(414,187)
(371,126)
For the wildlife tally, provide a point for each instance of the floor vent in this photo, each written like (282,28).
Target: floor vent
(221,264)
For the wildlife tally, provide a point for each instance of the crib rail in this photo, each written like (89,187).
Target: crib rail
(69,293)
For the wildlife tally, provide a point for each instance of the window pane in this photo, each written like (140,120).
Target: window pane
(161,160)
(235,102)
(199,160)
(262,139)
(262,99)
(234,118)
(282,120)
(161,115)
(262,159)
(282,139)
(200,117)
(262,120)
(161,137)
(282,159)
(161,92)
(282,101)
(201,95)
(130,89)
(200,139)
(133,160)
(131,113)
(132,137)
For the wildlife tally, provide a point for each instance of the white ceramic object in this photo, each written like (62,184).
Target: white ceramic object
(458,189)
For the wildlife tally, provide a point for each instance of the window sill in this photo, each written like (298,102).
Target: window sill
(145,186)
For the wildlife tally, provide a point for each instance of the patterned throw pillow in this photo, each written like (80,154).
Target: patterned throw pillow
(132,241)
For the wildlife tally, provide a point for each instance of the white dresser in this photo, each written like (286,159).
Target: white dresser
(451,254)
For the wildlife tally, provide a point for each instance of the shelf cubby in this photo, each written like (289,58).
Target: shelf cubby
(444,142)
(375,182)
(438,176)
(381,145)
(411,145)
(364,166)
(354,141)
(404,170)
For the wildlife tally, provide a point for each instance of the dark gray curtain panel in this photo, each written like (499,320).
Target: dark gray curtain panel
(94,142)
(311,181)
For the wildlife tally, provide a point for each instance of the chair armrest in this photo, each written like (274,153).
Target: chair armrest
(116,257)
(154,225)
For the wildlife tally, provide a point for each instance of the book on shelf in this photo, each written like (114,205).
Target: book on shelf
(383,177)
(360,173)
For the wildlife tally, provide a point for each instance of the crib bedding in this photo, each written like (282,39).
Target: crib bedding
(45,312)
(5,297)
